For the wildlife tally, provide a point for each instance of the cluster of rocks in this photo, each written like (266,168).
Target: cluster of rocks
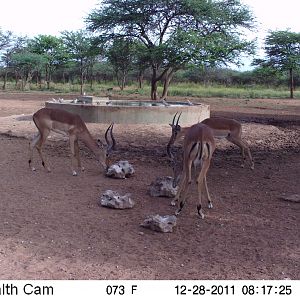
(161,187)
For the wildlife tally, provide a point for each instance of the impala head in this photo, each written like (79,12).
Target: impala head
(176,167)
(108,148)
(176,128)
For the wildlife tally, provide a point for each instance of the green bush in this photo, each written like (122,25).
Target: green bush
(176,89)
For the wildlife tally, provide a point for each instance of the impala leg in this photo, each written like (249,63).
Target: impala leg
(200,181)
(32,145)
(74,160)
(207,194)
(238,143)
(179,191)
(199,186)
(185,184)
(38,142)
(182,196)
(76,148)
(243,146)
(249,155)
(185,180)
(39,146)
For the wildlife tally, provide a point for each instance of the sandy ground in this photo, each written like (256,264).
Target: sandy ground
(52,227)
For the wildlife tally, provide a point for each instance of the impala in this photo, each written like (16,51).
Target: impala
(222,128)
(198,148)
(63,122)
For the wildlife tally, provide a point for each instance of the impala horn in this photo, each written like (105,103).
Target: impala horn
(110,146)
(176,126)
(173,136)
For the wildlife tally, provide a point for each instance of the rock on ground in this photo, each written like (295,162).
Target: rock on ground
(160,223)
(121,169)
(162,187)
(113,199)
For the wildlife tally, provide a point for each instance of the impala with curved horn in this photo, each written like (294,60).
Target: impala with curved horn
(198,148)
(63,122)
(222,128)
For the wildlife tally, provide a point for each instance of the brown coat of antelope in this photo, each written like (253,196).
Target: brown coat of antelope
(63,122)
(232,131)
(198,148)
(222,128)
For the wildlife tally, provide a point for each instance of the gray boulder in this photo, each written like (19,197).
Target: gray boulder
(292,198)
(162,187)
(160,223)
(121,170)
(112,199)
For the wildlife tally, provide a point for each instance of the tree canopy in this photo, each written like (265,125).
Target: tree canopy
(282,50)
(176,32)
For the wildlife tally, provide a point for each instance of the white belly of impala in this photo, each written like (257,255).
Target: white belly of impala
(61,128)
(220,134)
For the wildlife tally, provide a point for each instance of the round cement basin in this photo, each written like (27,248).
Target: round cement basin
(135,112)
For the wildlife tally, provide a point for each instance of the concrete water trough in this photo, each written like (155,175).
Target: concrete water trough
(103,110)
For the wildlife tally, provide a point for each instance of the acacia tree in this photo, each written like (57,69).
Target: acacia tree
(82,49)
(121,56)
(6,42)
(53,51)
(25,64)
(176,32)
(5,39)
(282,54)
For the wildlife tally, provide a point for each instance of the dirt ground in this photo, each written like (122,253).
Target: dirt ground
(52,227)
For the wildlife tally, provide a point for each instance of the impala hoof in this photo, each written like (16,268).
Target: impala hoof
(173,202)
(201,215)
(210,205)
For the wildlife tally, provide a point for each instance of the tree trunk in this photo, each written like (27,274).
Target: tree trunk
(27,80)
(167,81)
(140,79)
(64,77)
(123,81)
(154,94)
(81,78)
(16,79)
(291,84)
(91,77)
(47,77)
(156,78)
(4,80)
(118,79)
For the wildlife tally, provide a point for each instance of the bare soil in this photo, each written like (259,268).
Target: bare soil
(52,227)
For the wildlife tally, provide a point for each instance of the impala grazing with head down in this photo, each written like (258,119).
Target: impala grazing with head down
(63,122)
(222,128)
(198,148)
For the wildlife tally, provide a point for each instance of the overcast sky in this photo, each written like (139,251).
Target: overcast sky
(34,17)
